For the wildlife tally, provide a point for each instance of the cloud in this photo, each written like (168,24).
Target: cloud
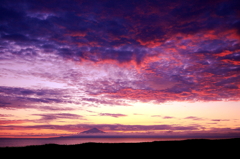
(14,97)
(54,108)
(161,51)
(137,114)
(29,92)
(155,115)
(168,117)
(115,30)
(106,101)
(108,127)
(14,122)
(193,118)
(6,115)
(111,129)
(220,120)
(38,98)
(55,116)
(112,115)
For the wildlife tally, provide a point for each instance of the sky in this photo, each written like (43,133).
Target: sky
(149,67)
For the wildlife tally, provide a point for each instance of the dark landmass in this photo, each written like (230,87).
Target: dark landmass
(105,135)
(93,130)
(194,147)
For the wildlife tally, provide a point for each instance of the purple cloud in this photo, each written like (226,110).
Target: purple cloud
(106,101)
(6,115)
(193,118)
(18,98)
(109,127)
(54,108)
(112,115)
(191,60)
(220,120)
(10,122)
(176,130)
(168,117)
(29,92)
(55,116)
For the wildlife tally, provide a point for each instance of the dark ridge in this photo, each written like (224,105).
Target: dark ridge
(93,130)
(186,147)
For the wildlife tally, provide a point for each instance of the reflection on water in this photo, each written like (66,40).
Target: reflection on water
(72,141)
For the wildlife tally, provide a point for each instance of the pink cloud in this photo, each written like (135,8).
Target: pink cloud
(9,122)
(193,118)
(168,117)
(112,115)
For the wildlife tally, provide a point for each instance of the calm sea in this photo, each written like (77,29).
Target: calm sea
(10,142)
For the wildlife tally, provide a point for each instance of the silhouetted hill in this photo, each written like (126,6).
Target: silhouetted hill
(93,130)
(195,148)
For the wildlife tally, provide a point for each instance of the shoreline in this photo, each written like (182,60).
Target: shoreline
(180,148)
(172,141)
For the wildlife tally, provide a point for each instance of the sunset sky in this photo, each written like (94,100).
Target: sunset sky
(151,67)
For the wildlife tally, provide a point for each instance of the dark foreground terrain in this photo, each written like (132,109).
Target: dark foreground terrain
(194,148)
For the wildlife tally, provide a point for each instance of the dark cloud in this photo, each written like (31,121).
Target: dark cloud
(15,37)
(3,103)
(28,92)
(177,50)
(49,99)
(17,98)
(9,14)
(100,27)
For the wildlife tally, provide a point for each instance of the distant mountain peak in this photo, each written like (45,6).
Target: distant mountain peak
(93,130)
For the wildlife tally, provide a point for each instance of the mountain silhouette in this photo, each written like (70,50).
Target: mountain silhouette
(93,130)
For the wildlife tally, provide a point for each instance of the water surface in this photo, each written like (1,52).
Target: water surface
(20,142)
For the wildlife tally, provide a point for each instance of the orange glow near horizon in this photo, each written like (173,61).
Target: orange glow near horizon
(172,113)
